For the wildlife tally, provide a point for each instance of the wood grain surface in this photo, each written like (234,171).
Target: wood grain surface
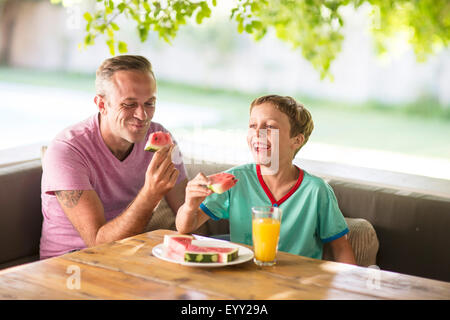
(127,269)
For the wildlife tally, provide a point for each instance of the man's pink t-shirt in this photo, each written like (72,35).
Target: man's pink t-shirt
(78,159)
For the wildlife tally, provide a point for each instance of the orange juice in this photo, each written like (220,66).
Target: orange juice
(266,232)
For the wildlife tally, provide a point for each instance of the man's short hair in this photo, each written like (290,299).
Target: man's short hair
(118,63)
(300,118)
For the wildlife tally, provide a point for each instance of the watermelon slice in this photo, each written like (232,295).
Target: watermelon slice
(202,257)
(224,254)
(158,140)
(176,245)
(180,248)
(221,182)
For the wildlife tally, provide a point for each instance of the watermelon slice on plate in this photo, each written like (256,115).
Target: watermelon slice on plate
(180,248)
(158,140)
(210,254)
(175,246)
(221,182)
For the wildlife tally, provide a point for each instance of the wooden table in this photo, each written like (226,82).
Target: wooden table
(127,269)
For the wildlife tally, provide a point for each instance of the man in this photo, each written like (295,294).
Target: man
(98,183)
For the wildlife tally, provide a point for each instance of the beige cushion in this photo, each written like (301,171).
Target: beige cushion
(364,242)
(163,218)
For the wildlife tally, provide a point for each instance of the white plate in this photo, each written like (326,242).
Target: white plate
(244,253)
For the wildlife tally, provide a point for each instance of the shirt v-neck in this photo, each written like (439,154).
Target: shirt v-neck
(269,193)
(106,150)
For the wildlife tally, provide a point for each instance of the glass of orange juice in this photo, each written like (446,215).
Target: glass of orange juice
(266,222)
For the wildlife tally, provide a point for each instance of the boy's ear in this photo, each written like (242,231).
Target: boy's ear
(299,140)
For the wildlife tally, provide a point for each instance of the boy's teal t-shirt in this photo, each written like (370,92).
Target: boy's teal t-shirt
(310,212)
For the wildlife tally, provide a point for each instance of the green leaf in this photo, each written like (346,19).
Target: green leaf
(110,43)
(89,39)
(199,17)
(122,46)
(114,26)
(110,32)
(146,6)
(121,7)
(87,16)
(240,27)
(143,32)
(233,11)
(257,24)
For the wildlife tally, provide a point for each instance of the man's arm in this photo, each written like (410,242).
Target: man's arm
(85,210)
(342,250)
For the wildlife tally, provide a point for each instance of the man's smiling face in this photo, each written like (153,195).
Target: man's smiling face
(130,105)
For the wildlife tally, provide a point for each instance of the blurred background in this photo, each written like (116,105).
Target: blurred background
(387,112)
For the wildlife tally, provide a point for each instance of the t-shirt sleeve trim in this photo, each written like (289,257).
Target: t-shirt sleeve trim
(336,236)
(208,212)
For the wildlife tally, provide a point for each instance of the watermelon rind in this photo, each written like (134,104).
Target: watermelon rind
(215,189)
(230,256)
(203,257)
(151,148)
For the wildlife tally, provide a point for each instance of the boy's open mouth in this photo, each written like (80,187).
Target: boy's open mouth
(260,147)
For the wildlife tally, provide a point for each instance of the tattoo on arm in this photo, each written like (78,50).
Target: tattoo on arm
(69,198)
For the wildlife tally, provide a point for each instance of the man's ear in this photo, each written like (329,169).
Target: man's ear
(100,102)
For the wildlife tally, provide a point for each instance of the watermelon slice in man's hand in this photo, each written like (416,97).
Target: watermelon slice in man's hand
(221,182)
(158,140)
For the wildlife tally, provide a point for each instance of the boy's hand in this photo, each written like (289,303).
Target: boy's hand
(196,192)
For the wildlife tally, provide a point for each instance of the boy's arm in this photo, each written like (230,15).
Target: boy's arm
(342,250)
(189,220)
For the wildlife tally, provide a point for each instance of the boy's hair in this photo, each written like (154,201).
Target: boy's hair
(118,63)
(299,117)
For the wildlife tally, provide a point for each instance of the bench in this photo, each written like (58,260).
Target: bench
(398,230)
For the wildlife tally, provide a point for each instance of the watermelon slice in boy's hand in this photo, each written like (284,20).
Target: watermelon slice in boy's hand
(158,140)
(221,182)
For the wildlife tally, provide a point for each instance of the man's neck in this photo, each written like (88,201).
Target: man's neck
(120,148)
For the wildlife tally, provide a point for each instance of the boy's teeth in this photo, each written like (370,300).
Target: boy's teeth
(260,146)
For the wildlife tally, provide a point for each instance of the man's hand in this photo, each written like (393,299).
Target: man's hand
(196,191)
(161,174)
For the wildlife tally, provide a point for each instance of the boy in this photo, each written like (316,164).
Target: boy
(278,128)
